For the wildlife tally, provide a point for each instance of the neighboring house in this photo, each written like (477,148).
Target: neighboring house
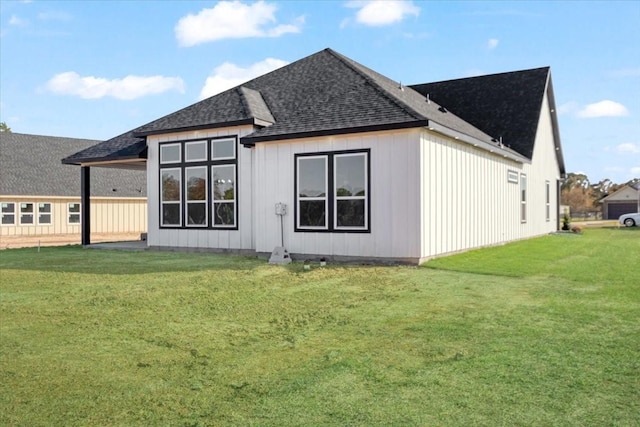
(624,200)
(366,168)
(40,196)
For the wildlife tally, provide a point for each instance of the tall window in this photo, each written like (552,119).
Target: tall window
(44,213)
(547,200)
(73,213)
(26,214)
(332,191)
(523,198)
(198,182)
(8,213)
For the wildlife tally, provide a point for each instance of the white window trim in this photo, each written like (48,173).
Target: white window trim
(336,197)
(548,200)
(32,213)
(186,151)
(171,202)
(164,162)
(235,196)
(69,213)
(325,158)
(50,213)
(2,215)
(523,198)
(187,202)
(512,176)
(213,143)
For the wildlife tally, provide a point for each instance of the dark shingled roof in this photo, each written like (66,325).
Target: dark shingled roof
(327,94)
(505,105)
(31,167)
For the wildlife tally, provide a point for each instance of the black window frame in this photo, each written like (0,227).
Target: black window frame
(209,163)
(330,194)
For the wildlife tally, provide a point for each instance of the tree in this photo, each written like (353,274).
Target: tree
(4,127)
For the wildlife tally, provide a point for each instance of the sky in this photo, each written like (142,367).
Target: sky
(96,69)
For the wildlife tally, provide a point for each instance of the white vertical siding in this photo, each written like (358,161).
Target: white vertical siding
(394,197)
(202,238)
(467,201)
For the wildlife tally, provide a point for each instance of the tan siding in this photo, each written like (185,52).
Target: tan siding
(108,215)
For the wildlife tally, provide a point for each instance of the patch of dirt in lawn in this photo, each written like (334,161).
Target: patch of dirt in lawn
(13,242)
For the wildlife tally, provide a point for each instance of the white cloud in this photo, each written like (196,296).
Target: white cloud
(130,87)
(492,43)
(54,16)
(378,13)
(230,75)
(14,20)
(626,72)
(629,147)
(604,108)
(233,20)
(568,108)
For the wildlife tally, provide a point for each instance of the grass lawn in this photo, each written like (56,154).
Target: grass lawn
(540,332)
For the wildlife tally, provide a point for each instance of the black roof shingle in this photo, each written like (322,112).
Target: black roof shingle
(30,166)
(327,93)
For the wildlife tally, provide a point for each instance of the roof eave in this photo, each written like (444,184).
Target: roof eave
(248,121)
(249,141)
(492,148)
(79,161)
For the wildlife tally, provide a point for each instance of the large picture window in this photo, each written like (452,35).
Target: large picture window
(198,183)
(332,191)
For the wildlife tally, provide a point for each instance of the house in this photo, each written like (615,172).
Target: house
(625,200)
(327,157)
(40,197)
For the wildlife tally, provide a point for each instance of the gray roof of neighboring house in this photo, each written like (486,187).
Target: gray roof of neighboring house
(327,94)
(30,166)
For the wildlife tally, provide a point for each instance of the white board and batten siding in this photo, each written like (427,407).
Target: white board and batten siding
(468,202)
(430,195)
(240,239)
(394,197)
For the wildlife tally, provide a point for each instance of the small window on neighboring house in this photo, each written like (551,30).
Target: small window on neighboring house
(512,177)
(73,213)
(332,191)
(44,213)
(26,214)
(523,198)
(547,200)
(8,213)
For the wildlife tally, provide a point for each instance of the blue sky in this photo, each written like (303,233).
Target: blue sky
(95,69)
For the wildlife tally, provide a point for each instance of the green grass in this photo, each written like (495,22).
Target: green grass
(539,332)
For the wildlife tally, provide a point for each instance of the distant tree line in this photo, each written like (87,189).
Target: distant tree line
(583,197)
(4,127)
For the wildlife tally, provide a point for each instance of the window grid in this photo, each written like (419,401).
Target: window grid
(44,213)
(200,211)
(331,198)
(8,212)
(73,213)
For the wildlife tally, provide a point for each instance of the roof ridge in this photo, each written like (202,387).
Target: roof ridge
(379,88)
(547,67)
